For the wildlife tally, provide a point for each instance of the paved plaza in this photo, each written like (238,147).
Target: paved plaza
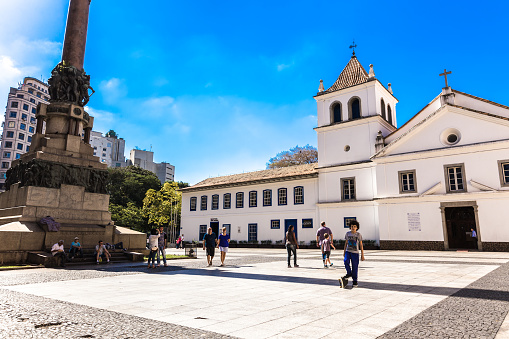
(401,294)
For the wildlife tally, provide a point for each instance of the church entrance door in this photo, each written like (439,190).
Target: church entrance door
(459,221)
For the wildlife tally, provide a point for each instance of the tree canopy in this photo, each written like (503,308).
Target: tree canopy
(295,156)
(162,208)
(130,184)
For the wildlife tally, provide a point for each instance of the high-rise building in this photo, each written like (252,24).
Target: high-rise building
(19,123)
(145,159)
(109,148)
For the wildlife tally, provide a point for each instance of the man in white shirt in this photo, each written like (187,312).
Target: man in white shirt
(58,251)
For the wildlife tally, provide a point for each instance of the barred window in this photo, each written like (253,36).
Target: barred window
(253,199)
(282,196)
(215,201)
(203,231)
(267,198)
(275,224)
(192,204)
(252,233)
(240,200)
(298,195)
(227,200)
(203,203)
(348,189)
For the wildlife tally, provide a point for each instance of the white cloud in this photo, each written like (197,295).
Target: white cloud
(113,90)
(281,67)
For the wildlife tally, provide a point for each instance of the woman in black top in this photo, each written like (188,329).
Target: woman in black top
(291,246)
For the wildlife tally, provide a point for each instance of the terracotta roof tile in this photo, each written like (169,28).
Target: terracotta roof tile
(353,74)
(276,174)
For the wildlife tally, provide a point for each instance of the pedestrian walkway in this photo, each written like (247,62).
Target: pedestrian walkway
(262,298)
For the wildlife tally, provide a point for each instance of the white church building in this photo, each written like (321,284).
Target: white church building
(424,185)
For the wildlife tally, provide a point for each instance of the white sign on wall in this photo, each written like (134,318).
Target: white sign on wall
(414,222)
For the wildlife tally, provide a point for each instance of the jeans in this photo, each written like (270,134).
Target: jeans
(63,258)
(354,258)
(73,251)
(161,250)
(292,248)
(152,255)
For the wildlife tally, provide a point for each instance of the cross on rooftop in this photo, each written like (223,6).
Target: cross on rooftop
(445,75)
(352,46)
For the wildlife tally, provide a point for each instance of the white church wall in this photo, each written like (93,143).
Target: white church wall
(394,223)
(480,165)
(330,182)
(433,134)
(260,215)
(494,218)
(364,212)
(359,136)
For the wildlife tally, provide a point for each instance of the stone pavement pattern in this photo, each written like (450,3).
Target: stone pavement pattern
(256,296)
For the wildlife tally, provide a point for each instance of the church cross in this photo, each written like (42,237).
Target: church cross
(445,75)
(353,46)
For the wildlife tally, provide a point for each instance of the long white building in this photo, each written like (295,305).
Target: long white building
(424,185)
(109,148)
(145,159)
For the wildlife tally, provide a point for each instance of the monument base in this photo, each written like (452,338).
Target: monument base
(80,214)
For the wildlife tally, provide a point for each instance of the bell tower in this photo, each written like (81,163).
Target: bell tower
(350,114)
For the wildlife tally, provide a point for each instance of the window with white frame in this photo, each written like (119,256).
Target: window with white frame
(455,175)
(267,197)
(282,196)
(239,200)
(215,201)
(203,206)
(227,201)
(253,198)
(275,224)
(348,189)
(407,182)
(192,204)
(298,195)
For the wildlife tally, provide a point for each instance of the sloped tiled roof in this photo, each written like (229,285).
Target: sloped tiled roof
(353,74)
(270,175)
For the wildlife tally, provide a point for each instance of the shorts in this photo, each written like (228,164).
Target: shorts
(326,255)
(210,251)
(223,249)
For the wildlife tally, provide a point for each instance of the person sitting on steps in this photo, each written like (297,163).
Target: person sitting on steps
(101,252)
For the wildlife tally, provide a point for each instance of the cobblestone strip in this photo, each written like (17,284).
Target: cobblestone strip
(476,311)
(27,316)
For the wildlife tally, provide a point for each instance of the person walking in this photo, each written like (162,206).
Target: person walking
(320,235)
(353,242)
(223,244)
(161,244)
(291,246)
(210,242)
(182,241)
(178,242)
(153,240)
(326,245)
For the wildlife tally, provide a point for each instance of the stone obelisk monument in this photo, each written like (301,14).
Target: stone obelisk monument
(60,176)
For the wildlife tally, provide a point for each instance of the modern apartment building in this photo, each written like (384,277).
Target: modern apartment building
(109,148)
(19,123)
(145,159)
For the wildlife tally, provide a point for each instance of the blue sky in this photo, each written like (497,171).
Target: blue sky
(219,87)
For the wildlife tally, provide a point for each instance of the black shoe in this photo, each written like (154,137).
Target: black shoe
(344,281)
(354,284)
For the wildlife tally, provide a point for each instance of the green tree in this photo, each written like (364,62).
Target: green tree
(295,156)
(130,184)
(130,216)
(163,207)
